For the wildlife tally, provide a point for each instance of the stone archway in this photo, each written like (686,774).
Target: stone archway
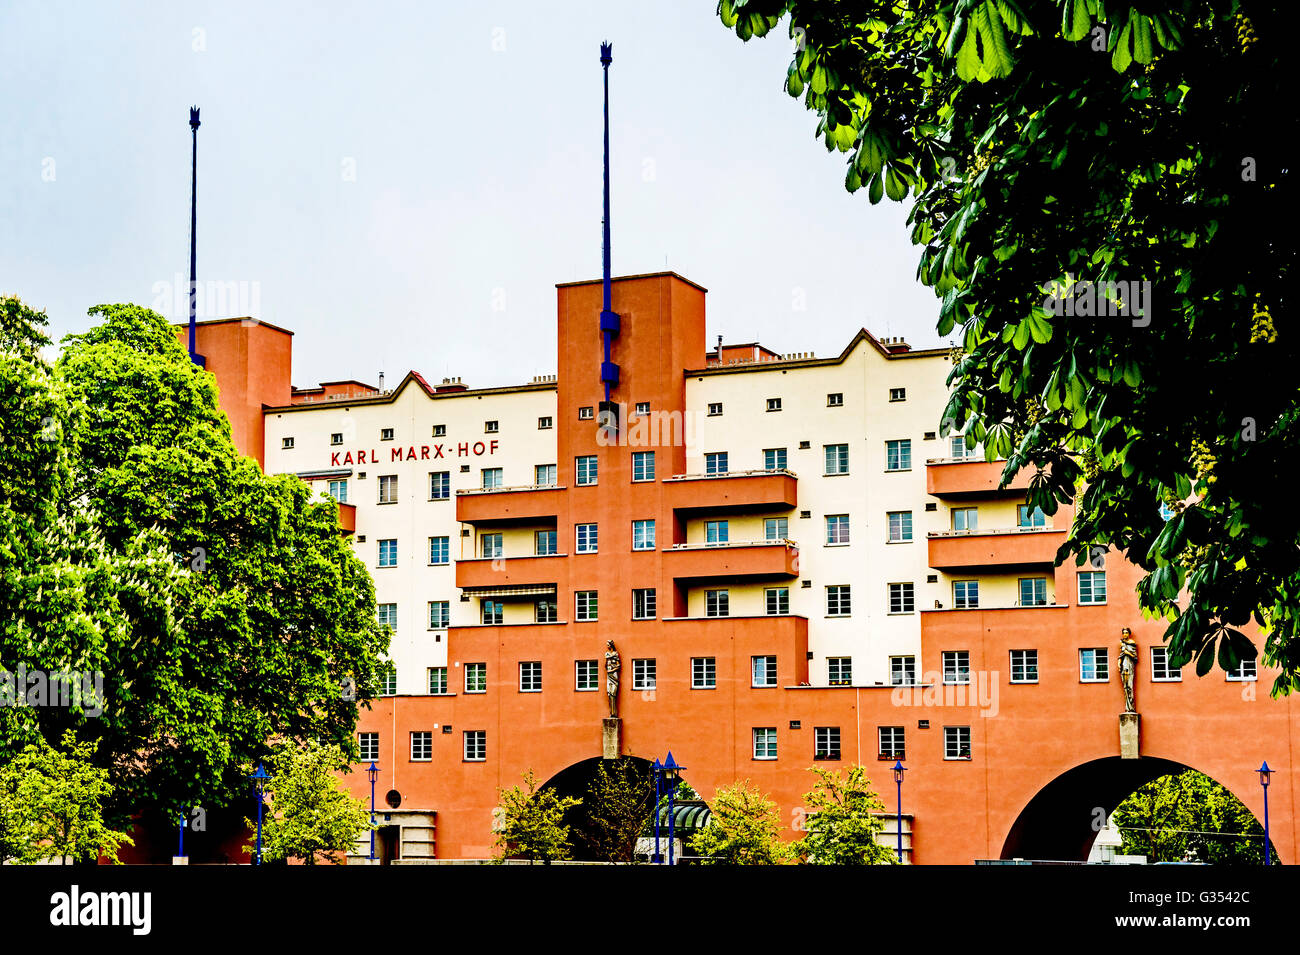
(574,780)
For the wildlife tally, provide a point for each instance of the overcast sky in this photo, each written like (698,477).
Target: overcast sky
(402,185)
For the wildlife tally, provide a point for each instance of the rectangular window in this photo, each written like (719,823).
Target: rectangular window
(586,413)
(902,671)
(773,404)
(956,742)
(439,485)
(1092,587)
(765,742)
(339,491)
(492,477)
(957,448)
(388,552)
(587,543)
(336,438)
(643,465)
(965,594)
(475,746)
(388,489)
(774,459)
(715,408)
(965,518)
(777,601)
(826,742)
(716,603)
(544,475)
(835,399)
(491,427)
(716,532)
(1033,591)
(891,742)
(838,600)
(1024,666)
(385,434)
(1245,672)
(491,545)
(704,673)
(388,681)
(643,535)
(643,603)
(643,674)
(545,611)
(897,394)
(586,675)
(439,614)
(494,612)
(286,444)
(642,407)
(421,746)
(715,462)
(837,458)
(1094,665)
(368,743)
(437,681)
(475,677)
(544,543)
(387,614)
(1027,518)
(837,528)
(839,671)
(956,666)
(1161,671)
(530,677)
(900,526)
(776,528)
(544,422)
(586,470)
(763,670)
(440,431)
(902,598)
(898,455)
(585,605)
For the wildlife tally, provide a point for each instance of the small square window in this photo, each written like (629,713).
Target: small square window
(336,438)
(835,400)
(586,413)
(440,431)
(1094,665)
(385,434)
(897,394)
(491,427)
(773,404)
(544,422)
(715,408)
(286,444)
(1024,666)
(642,408)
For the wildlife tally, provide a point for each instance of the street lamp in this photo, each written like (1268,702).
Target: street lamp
(657,769)
(259,779)
(373,773)
(899,769)
(1264,773)
(671,773)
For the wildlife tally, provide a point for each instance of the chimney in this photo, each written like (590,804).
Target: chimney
(381,382)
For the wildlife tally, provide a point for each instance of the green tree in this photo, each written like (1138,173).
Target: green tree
(618,806)
(744,829)
(530,823)
(310,815)
(1050,142)
(843,820)
(1189,815)
(51,805)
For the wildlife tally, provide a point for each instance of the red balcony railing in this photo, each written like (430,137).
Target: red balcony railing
(993,549)
(733,491)
(506,505)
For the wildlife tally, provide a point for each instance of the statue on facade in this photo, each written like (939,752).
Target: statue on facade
(1128,656)
(612,665)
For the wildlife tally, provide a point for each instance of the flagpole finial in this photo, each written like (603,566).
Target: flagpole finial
(194,117)
(607,53)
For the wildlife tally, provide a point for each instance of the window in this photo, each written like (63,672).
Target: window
(339,491)
(838,602)
(585,413)
(902,671)
(1024,666)
(1161,671)
(544,543)
(475,746)
(643,535)
(544,422)
(837,528)
(545,611)
(1033,591)
(643,603)
(286,444)
(900,526)
(385,434)
(475,677)
(585,604)
(586,675)
(388,489)
(491,545)
(715,408)
(837,458)
(530,677)
(763,669)
(439,485)
(774,459)
(492,477)
(544,475)
(336,438)
(965,518)
(902,598)
(776,528)
(643,465)
(642,407)
(368,743)
(1026,518)
(773,404)
(716,532)
(439,550)
(587,543)
(1092,587)
(956,742)
(956,666)
(965,594)
(643,674)
(704,673)
(777,601)
(421,746)
(839,671)
(715,462)
(957,448)
(898,455)
(891,742)
(440,431)
(388,552)
(1244,672)
(765,742)
(586,470)
(835,399)
(826,742)
(439,614)
(437,681)
(388,681)
(387,614)
(493,613)
(491,427)
(1094,665)
(897,394)
(716,603)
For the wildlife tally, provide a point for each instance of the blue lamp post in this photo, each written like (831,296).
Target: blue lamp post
(373,773)
(899,769)
(259,779)
(658,772)
(1264,774)
(671,773)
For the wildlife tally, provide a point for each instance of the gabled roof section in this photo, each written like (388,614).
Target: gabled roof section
(887,348)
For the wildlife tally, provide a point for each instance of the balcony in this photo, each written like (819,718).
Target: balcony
(506,576)
(998,549)
(736,560)
(485,507)
(733,491)
(347,518)
(958,478)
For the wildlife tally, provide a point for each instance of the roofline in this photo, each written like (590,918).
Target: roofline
(862,335)
(227,321)
(393,395)
(630,278)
